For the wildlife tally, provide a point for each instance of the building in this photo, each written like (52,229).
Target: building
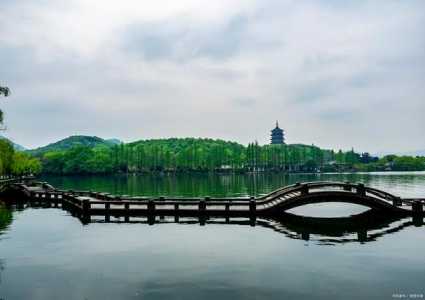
(278,135)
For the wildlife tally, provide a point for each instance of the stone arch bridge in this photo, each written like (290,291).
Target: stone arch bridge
(87,204)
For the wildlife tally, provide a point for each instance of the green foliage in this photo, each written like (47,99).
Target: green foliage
(184,155)
(208,155)
(395,163)
(23,163)
(16,163)
(6,157)
(4,91)
(15,146)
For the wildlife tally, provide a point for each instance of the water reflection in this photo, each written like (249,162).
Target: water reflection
(5,218)
(224,258)
(5,221)
(360,224)
(328,209)
(365,227)
(406,184)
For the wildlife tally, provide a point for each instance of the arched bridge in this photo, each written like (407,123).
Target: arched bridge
(86,204)
(318,192)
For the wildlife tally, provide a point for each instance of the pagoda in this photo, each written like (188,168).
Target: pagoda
(277,136)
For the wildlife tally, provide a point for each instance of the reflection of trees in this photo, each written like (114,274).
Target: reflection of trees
(1,268)
(5,218)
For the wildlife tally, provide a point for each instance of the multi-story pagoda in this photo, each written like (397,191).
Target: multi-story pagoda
(277,136)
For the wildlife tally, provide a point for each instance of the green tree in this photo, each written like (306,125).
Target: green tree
(6,157)
(24,164)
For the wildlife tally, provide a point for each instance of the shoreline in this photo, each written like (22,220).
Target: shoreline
(230,173)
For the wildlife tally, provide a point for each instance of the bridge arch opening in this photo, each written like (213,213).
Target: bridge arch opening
(331,209)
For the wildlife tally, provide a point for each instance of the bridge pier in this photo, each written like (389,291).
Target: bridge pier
(362,236)
(418,220)
(107,212)
(151,207)
(162,199)
(86,211)
(252,211)
(361,190)
(252,206)
(127,212)
(151,212)
(417,207)
(151,219)
(203,206)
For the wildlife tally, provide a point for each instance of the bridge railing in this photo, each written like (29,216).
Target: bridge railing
(316,186)
(305,187)
(102,199)
(381,194)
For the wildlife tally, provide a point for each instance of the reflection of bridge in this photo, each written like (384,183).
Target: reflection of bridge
(88,204)
(366,227)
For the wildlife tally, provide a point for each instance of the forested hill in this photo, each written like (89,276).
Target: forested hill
(183,155)
(93,155)
(73,141)
(15,146)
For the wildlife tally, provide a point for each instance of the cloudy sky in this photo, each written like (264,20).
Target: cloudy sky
(337,74)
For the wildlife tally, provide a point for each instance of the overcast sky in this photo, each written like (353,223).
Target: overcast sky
(337,74)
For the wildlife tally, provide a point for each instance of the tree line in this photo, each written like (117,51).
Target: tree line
(15,162)
(208,155)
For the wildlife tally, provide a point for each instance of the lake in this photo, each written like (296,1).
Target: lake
(45,253)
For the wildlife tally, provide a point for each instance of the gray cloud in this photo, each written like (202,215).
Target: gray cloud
(182,42)
(336,75)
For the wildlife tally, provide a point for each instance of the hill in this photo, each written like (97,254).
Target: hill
(114,141)
(414,153)
(71,142)
(408,153)
(176,155)
(17,147)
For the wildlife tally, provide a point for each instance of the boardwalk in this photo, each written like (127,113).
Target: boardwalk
(86,204)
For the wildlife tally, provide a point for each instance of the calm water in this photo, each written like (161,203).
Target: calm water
(410,184)
(48,254)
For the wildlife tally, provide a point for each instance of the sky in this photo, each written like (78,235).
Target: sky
(337,74)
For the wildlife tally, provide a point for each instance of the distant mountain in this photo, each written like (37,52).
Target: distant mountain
(408,153)
(414,153)
(114,141)
(17,147)
(72,141)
